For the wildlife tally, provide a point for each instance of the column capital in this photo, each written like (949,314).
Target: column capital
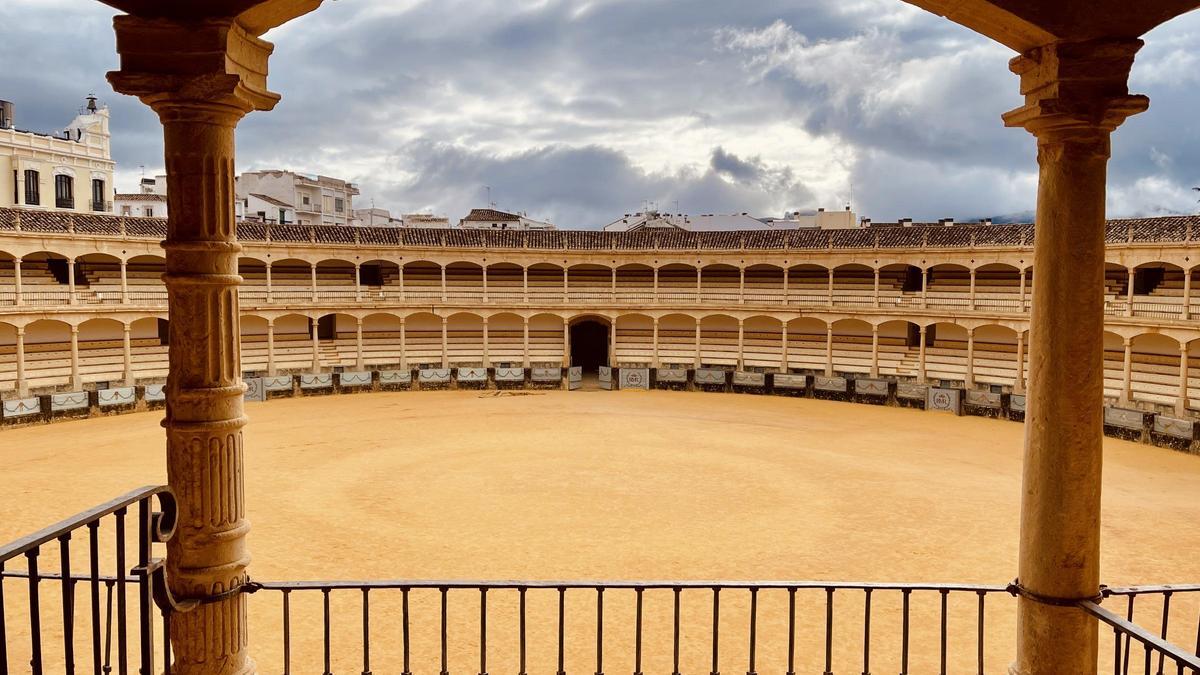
(1076,91)
(212,69)
(20,331)
(74,329)
(358,320)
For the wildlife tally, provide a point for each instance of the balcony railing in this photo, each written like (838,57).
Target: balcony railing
(648,626)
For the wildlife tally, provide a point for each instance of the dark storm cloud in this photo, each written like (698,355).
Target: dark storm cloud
(581,110)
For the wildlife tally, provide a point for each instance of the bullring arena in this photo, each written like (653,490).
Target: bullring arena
(481,396)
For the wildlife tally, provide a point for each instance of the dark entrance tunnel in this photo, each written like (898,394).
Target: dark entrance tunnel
(589,345)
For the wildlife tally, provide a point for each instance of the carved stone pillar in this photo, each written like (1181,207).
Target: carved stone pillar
(921,355)
(525,342)
(487,361)
(787,273)
(201,77)
(970,376)
(124,283)
(783,350)
(1132,277)
(698,361)
(1019,384)
(1076,94)
(127,351)
(654,298)
(403,347)
(741,285)
(71,299)
(829,350)
(656,363)
(972,300)
(22,385)
(1127,374)
(315,328)
(1187,295)
(485,282)
(357,282)
(614,284)
(271,348)
(830,299)
(313,282)
(924,288)
(1182,401)
(874,351)
(360,362)
(877,287)
(270,292)
(18,298)
(525,286)
(445,341)
(699,284)
(741,360)
(76,381)
(1022,300)
(566,341)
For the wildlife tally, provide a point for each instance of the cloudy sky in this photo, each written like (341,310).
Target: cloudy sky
(578,111)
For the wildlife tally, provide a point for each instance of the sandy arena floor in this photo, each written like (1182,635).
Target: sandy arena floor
(625,485)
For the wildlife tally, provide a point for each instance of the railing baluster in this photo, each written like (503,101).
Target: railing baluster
(145,602)
(980,644)
(600,630)
(716,631)
(753,629)
(35,616)
(828,631)
(166,622)
(904,637)
(444,591)
(675,634)
(325,625)
(68,603)
(637,639)
(482,631)
(867,632)
(945,595)
(287,632)
(108,618)
(1166,617)
(521,594)
(3,625)
(94,577)
(1128,639)
(1116,651)
(404,627)
(562,616)
(122,632)
(791,670)
(366,630)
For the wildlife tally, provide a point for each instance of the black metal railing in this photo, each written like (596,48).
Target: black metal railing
(51,635)
(1136,649)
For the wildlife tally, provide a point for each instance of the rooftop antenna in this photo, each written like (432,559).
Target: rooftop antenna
(491,204)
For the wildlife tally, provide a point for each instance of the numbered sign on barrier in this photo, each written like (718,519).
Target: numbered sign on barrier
(634,378)
(605,378)
(944,400)
(574,378)
(255,391)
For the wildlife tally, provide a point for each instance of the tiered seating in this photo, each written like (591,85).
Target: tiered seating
(590,284)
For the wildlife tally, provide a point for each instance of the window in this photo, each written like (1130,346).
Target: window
(149,212)
(97,194)
(64,192)
(33,195)
(306,201)
(125,211)
(339,204)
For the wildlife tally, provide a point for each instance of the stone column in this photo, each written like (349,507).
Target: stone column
(566,283)
(877,304)
(525,342)
(487,361)
(924,288)
(357,282)
(19,299)
(271,348)
(1187,294)
(970,376)
(485,283)
(614,284)
(1019,384)
(400,279)
(566,357)
(699,284)
(741,285)
(76,381)
(443,270)
(829,350)
(71,299)
(313,271)
(445,342)
(1075,96)
(656,363)
(127,352)
(1023,274)
(1127,374)
(22,385)
(360,361)
(831,288)
(921,355)
(874,351)
(525,285)
(270,291)
(655,296)
(124,283)
(201,78)
(698,361)
(741,361)
(403,346)
(972,300)
(1129,294)
(783,351)
(612,343)
(786,279)
(1182,401)
(314,325)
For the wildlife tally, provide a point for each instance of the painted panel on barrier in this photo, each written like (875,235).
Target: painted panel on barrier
(606,378)
(837,384)
(709,376)
(434,376)
(255,391)
(574,378)
(744,379)
(355,378)
(277,383)
(672,375)
(913,391)
(316,381)
(472,374)
(395,376)
(154,393)
(634,378)
(789,381)
(1016,402)
(117,396)
(510,375)
(984,399)
(75,400)
(1173,426)
(870,387)
(546,374)
(20,407)
(944,400)
(1124,418)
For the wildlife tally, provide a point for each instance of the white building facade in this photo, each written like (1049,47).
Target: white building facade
(491,219)
(316,200)
(149,202)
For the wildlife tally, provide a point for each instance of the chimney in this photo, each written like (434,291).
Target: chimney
(6,114)
(945,222)
(906,222)
(866,222)
(986,221)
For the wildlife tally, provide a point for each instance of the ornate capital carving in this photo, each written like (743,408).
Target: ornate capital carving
(1076,91)
(212,66)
